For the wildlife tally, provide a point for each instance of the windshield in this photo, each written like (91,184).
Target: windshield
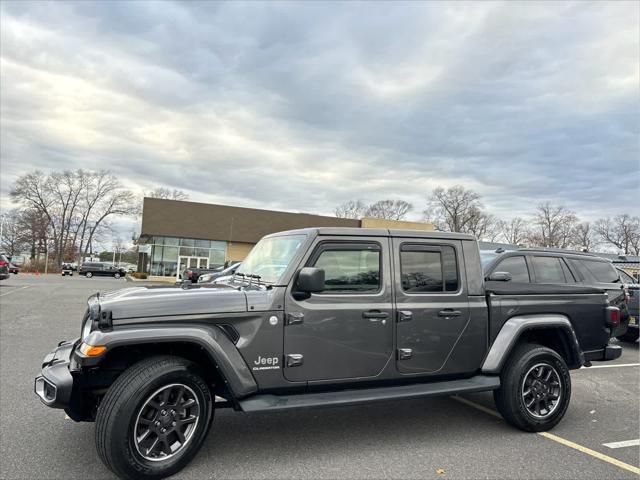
(271,256)
(487,256)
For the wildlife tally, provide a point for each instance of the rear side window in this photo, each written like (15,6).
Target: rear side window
(601,271)
(350,270)
(549,270)
(427,269)
(517,267)
(625,277)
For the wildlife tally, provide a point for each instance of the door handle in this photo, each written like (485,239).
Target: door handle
(376,316)
(449,312)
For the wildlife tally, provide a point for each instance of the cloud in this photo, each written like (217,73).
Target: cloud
(302,106)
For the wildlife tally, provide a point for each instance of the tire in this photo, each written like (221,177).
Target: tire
(631,335)
(116,275)
(522,391)
(122,411)
(88,275)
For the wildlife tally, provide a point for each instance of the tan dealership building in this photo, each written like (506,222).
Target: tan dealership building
(176,235)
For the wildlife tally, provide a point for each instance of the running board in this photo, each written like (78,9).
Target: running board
(259,403)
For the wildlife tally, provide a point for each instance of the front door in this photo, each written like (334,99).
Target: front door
(432,303)
(346,331)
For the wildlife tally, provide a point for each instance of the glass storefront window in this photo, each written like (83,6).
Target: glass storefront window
(216,257)
(156,260)
(163,259)
(170,261)
(217,245)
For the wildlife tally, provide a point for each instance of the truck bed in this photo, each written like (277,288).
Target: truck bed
(583,306)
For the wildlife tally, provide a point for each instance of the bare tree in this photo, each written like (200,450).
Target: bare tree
(13,240)
(115,202)
(554,226)
(351,209)
(33,192)
(34,227)
(388,209)
(167,194)
(455,209)
(72,204)
(513,231)
(483,226)
(584,237)
(621,231)
(100,185)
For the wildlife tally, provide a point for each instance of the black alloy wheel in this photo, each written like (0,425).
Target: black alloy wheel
(166,422)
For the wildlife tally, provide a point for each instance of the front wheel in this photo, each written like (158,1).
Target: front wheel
(89,275)
(535,388)
(116,275)
(154,418)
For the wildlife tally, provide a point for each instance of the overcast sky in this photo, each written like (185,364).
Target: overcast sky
(300,106)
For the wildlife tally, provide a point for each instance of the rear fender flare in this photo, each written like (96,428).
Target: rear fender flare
(512,330)
(211,339)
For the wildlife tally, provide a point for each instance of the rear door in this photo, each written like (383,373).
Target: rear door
(431,300)
(346,331)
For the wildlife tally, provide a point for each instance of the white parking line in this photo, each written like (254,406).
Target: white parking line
(560,440)
(16,290)
(626,443)
(611,366)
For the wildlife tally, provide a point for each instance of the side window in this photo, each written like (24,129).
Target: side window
(582,270)
(350,269)
(428,269)
(602,271)
(625,277)
(567,273)
(548,270)
(517,267)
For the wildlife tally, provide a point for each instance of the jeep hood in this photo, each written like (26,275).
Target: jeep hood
(162,301)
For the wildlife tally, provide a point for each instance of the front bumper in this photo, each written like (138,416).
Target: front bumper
(55,382)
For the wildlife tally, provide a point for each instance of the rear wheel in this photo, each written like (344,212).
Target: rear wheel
(89,274)
(630,336)
(154,418)
(535,388)
(116,275)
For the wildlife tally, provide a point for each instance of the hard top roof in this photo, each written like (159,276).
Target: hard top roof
(377,232)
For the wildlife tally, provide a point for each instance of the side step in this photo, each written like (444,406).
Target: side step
(259,403)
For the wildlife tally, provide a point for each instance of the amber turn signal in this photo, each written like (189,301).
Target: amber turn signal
(92,351)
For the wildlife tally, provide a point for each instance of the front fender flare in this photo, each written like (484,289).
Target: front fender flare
(211,339)
(512,330)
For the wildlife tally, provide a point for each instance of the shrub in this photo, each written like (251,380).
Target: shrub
(139,275)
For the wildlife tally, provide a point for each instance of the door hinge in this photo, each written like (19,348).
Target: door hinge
(295,318)
(294,359)
(404,315)
(404,353)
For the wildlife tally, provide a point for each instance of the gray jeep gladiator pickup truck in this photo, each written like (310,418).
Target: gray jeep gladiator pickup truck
(320,317)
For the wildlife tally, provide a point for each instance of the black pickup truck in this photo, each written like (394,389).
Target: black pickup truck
(320,317)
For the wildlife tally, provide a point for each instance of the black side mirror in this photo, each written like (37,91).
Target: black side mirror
(500,277)
(311,280)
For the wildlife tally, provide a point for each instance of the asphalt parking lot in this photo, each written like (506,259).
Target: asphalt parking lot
(433,438)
